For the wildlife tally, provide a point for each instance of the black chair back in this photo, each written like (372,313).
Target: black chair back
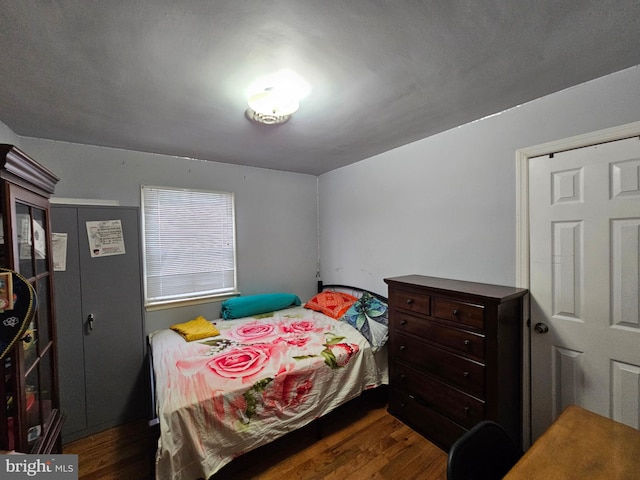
(486,452)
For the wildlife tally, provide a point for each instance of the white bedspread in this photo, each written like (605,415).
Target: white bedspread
(264,376)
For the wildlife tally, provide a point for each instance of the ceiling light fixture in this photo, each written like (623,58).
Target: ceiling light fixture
(274,98)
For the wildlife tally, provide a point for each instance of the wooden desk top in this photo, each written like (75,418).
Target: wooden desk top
(582,445)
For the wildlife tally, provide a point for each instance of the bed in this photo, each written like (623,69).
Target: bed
(262,376)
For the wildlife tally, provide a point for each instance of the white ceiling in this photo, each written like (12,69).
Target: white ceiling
(167,76)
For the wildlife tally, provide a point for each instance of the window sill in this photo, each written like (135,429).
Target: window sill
(152,307)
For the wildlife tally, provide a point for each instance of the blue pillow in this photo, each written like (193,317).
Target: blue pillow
(239,307)
(369,316)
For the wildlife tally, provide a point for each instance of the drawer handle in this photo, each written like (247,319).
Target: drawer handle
(410,301)
(455,311)
(467,410)
(403,348)
(418,400)
(467,342)
(403,322)
(466,374)
(403,377)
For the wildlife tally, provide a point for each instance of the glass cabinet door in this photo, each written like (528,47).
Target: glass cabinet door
(32,377)
(37,365)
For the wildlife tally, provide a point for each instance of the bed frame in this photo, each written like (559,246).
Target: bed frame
(154,421)
(355,291)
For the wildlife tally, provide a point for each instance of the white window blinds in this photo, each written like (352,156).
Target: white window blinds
(189,243)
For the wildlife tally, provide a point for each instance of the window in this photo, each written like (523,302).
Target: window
(189,244)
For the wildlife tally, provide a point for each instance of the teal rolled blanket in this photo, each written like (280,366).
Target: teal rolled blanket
(249,305)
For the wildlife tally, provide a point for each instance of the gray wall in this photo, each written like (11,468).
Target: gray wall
(442,206)
(8,136)
(276,212)
(446,205)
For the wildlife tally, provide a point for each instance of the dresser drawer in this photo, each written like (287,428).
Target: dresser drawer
(449,401)
(466,374)
(467,343)
(412,301)
(438,429)
(464,313)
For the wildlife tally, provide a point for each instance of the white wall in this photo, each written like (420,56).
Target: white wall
(445,205)
(275,211)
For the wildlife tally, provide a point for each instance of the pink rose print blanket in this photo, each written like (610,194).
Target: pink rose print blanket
(262,377)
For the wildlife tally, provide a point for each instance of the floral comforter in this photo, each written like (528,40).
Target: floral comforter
(262,377)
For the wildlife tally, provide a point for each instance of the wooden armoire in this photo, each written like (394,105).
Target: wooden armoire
(30,417)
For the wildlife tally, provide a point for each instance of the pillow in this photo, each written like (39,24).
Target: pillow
(333,304)
(369,316)
(195,329)
(239,307)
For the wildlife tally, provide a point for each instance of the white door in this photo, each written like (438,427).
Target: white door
(584,214)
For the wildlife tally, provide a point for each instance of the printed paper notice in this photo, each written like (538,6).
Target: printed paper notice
(105,238)
(59,248)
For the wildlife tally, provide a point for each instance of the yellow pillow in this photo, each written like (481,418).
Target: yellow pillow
(195,329)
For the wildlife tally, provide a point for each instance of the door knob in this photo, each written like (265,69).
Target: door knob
(541,328)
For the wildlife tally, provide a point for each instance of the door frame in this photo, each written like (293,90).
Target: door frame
(523,156)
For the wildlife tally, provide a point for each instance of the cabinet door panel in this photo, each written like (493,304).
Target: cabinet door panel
(69,324)
(114,346)
(24,246)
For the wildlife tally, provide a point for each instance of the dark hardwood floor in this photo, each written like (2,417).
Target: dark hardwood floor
(121,453)
(360,440)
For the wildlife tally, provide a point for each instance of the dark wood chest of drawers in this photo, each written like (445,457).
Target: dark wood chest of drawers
(455,355)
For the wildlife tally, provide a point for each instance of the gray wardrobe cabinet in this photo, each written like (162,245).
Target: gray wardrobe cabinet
(99,306)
